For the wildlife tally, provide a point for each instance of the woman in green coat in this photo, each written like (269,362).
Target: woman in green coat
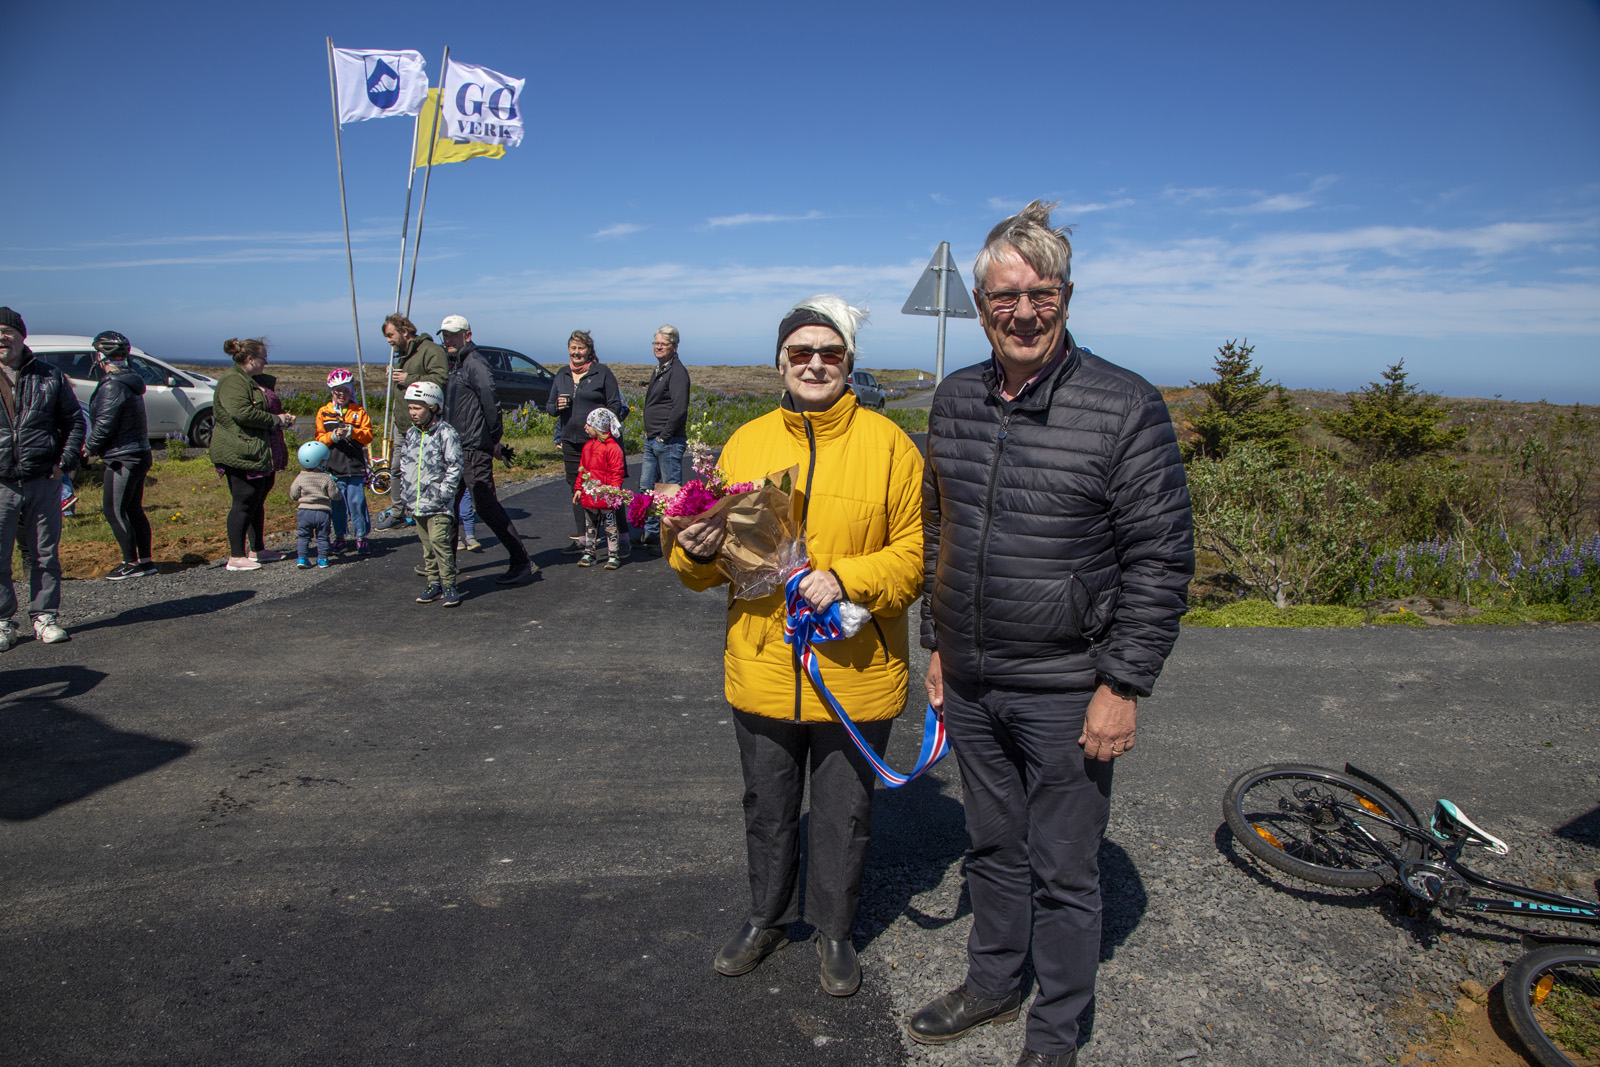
(241,447)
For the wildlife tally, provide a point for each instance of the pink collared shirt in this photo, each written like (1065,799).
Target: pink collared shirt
(1050,365)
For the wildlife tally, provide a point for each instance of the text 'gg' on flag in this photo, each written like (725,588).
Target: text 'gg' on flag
(376,84)
(481,105)
(444,149)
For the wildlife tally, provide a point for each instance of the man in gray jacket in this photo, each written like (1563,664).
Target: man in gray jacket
(472,407)
(1058,551)
(666,419)
(41,435)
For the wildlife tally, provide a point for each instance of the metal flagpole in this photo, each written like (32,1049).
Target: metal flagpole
(344,210)
(943,305)
(427,177)
(405,220)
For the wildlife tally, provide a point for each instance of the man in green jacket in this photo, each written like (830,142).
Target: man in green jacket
(418,359)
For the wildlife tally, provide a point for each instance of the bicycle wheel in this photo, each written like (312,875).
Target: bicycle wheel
(1552,996)
(1301,819)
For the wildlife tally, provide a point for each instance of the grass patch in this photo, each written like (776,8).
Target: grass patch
(1262,613)
(1521,614)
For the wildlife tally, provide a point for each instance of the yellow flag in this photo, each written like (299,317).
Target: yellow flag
(446,150)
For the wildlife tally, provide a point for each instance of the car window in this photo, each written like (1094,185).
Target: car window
(150,372)
(80,365)
(524,365)
(495,358)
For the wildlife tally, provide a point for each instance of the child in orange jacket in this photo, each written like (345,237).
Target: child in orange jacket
(601,464)
(346,428)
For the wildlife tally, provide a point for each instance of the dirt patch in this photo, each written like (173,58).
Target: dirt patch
(1474,1033)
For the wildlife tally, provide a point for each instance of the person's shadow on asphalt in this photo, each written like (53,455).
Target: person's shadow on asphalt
(51,755)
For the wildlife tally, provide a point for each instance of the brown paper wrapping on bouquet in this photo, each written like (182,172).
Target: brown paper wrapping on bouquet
(763,535)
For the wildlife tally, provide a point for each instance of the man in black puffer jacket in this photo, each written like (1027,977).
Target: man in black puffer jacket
(472,408)
(1058,552)
(41,436)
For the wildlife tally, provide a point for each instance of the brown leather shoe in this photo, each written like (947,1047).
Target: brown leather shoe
(1031,1058)
(943,1019)
(841,971)
(748,948)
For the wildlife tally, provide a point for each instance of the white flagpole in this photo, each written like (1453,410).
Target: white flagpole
(405,220)
(344,210)
(427,176)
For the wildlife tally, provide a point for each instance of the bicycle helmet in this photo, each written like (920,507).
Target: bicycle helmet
(339,377)
(111,345)
(312,455)
(425,393)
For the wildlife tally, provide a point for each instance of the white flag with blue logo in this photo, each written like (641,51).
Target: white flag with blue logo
(481,105)
(376,84)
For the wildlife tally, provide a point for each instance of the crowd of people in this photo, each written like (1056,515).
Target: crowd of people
(1045,529)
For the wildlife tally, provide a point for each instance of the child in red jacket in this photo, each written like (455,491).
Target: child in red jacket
(600,466)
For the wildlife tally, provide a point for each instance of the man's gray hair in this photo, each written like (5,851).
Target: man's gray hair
(841,315)
(669,332)
(1028,236)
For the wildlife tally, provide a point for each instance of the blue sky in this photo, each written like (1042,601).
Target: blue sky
(1343,186)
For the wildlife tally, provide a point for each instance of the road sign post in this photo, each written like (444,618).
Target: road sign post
(940,292)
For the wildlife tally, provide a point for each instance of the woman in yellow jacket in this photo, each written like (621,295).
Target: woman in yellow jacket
(859,496)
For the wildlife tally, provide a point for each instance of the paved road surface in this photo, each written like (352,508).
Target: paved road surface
(342,827)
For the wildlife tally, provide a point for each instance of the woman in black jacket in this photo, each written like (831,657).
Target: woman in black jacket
(119,435)
(581,386)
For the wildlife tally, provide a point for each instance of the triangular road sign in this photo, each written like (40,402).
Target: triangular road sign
(924,299)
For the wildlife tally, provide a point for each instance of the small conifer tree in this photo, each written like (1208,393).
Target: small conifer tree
(1241,407)
(1393,420)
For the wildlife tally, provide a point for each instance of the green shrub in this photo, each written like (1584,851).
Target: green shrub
(1242,408)
(1393,419)
(1293,534)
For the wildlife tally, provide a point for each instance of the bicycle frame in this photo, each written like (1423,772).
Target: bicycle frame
(1445,853)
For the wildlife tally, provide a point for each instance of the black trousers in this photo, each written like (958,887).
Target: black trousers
(477,478)
(1036,812)
(248,516)
(775,754)
(122,501)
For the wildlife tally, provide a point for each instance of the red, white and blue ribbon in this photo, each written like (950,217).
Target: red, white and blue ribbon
(803,626)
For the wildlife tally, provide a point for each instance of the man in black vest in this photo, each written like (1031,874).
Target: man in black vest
(1058,550)
(472,408)
(666,418)
(41,435)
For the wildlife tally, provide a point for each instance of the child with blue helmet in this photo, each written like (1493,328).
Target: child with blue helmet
(314,490)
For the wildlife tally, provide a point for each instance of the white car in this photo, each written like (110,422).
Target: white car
(175,401)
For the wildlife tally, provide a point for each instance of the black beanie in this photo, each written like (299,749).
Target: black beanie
(12,319)
(802,316)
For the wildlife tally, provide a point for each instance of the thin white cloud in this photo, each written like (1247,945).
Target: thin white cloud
(621,229)
(1006,204)
(1087,209)
(1279,203)
(748,218)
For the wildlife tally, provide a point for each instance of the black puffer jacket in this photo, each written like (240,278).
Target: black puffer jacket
(117,428)
(471,405)
(598,389)
(1057,534)
(48,430)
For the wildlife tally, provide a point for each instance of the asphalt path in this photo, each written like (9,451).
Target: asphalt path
(343,827)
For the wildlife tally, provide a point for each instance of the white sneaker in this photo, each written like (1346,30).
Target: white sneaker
(46,630)
(8,635)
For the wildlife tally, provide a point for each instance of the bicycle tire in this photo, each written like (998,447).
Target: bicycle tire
(1552,996)
(1320,852)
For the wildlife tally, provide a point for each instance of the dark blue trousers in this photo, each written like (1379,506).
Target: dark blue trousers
(1036,811)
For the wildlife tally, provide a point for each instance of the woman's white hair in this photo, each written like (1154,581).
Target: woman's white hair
(1028,236)
(845,317)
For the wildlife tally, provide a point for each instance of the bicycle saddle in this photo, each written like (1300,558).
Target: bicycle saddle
(1451,822)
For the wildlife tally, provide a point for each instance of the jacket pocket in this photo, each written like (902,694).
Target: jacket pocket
(1068,614)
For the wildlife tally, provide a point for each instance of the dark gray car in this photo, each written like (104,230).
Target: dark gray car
(869,394)
(518,380)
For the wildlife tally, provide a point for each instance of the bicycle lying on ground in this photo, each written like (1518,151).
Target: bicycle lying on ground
(1352,831)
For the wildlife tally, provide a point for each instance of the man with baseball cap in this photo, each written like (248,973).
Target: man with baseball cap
(41,435)
(472,408)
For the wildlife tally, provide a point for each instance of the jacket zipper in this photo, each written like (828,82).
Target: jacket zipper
(983,541)
(805,509)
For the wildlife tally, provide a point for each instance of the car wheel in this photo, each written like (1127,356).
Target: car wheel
(200,430)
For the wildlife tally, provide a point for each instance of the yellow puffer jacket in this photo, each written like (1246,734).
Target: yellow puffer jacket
(861,485)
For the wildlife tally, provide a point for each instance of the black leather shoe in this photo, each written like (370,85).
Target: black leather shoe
(748,948)
(1031,1058)
(518,570)
(946,1018)
(841,971)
